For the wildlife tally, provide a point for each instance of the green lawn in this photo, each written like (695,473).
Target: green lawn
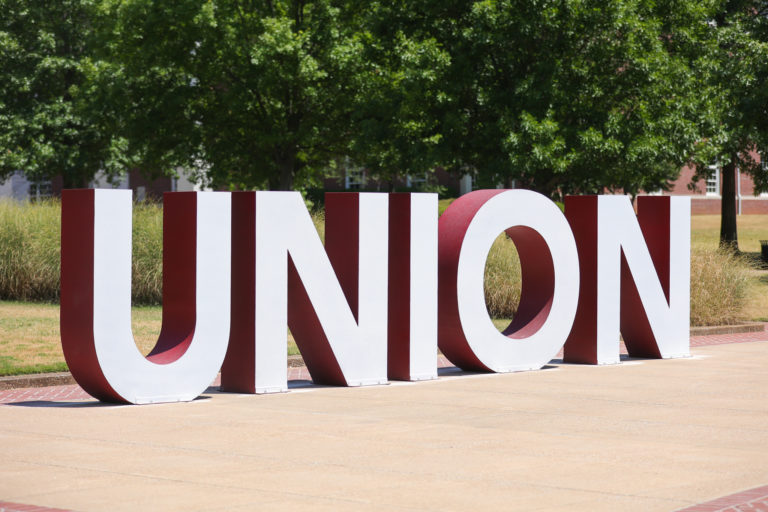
(30,340)
(705,231)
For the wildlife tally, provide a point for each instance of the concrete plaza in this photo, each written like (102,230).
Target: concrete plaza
(643,435)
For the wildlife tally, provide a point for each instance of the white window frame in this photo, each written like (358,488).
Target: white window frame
(354,178)
(713,181)
(40,190)
(411,181)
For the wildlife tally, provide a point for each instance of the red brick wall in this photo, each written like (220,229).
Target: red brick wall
(705,206)
(711,206)
(754,205)
(680,186)
(702,204)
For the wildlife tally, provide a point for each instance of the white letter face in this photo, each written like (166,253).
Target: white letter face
(335,302)
(96,296)
(550,282)
(412,328)
(635,277)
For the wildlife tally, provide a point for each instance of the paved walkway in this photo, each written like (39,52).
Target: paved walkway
(300,375)
(686,434)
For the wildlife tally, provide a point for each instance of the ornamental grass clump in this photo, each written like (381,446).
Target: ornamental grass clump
(30,263)
(147,262)
(719,284)
(29,250)
(719,287)
(502,279)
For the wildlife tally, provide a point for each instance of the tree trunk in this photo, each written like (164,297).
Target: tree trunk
(729,238)
(283,180)
(286,176)
(73,181)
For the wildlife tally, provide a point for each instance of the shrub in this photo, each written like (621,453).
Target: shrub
(719,285)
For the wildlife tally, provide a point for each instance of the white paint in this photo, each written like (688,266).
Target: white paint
(131,375)
(423,299)
(465,184)
(284,226)
(618,231)
(507,209)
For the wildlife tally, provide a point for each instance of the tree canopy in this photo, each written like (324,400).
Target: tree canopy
(561,96)
(256,94)
(46,128)
(564,95)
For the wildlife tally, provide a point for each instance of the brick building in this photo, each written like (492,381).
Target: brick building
(357,178)
(705,194)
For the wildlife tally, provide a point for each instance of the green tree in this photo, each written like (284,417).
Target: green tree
(734,70)
(46,124)
(563,96)
(395,129)
(252,94)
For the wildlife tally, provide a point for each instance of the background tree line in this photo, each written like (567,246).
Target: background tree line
(560,96)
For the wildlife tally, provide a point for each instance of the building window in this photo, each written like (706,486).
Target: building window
(416,181)
(465,184)
(40,190)
(713,181)
(354,178)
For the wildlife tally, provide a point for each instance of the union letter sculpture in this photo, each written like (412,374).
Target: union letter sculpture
(550,280)
(366,307)
(635,277)
(96,296)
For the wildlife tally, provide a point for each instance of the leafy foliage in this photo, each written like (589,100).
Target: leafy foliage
(253,94)
(46,128)
(563,96)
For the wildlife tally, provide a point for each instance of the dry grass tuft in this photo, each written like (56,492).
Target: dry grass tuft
(723,287)
(147,264)
(720,284)
(29,250)
(502,279)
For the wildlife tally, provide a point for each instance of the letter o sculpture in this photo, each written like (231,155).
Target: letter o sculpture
(550,280)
